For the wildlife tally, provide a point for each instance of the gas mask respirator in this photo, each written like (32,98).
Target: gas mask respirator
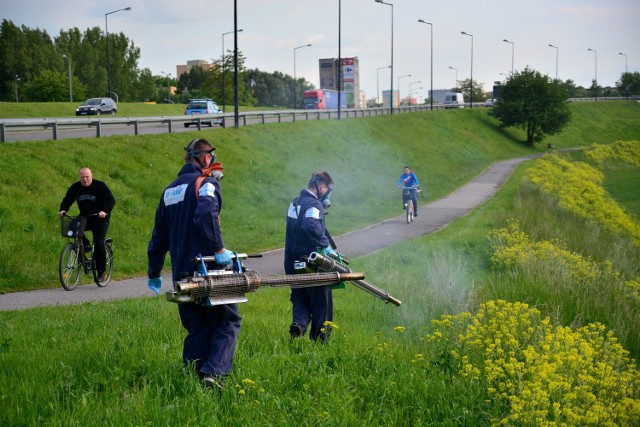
(326,202)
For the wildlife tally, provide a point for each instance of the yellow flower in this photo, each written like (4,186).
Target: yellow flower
(399,329)
(546,375)
(248,383)
(330,324)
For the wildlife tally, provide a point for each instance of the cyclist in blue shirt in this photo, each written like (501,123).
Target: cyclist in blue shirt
(409,180)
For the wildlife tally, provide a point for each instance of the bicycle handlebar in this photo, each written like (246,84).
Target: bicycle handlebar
(88,216)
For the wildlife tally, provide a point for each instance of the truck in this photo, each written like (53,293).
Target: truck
(453,100)
(323,99)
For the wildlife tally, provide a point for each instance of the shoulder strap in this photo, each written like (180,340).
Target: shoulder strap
(199,184)
(217,166)
(295,204)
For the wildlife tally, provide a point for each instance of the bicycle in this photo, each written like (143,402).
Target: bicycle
(75,256)
(407,200)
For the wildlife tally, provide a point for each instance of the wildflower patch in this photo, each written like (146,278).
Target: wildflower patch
(625,151)
(543,374)
(578,188)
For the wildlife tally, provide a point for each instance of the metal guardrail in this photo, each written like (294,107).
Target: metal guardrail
(244,119)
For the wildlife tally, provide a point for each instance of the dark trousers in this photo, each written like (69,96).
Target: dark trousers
(212,332)
(313,306)
(99,230)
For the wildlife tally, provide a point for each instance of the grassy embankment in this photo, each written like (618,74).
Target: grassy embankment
(118,363)
(265,167)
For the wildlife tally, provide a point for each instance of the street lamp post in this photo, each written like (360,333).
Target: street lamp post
(431,27)
(378,82)
(17,80)
(410,91)
(556,48)
(401,77)
(471,81)
(596,56)
(414,91)
(626,71)
(295,88)
(456,70)
(339,85)
(168,87)
(106,30)
(391,94)
(224,69)
(512,52)
(70,84)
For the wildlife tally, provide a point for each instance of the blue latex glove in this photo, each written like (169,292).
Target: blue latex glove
(155,284)
(328,251)
(223,258)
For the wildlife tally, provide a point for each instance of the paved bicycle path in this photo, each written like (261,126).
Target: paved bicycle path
(432,217)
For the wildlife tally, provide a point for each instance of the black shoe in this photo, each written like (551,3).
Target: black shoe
(101,276)
(415,214)
(296,330)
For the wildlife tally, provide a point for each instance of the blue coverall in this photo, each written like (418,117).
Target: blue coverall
(305,233)
(187,226)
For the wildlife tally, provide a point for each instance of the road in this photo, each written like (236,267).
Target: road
(433,216)
(38,134)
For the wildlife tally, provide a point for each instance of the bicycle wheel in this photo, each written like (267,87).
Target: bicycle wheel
(409,205)
(108,267)
(69,268)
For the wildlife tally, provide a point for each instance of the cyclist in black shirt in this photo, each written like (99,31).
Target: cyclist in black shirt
(93,197)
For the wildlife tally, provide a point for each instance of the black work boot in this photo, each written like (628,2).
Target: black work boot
(296,330)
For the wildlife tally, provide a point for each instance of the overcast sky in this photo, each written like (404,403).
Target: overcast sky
(171,32)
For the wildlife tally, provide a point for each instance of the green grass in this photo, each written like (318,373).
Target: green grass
(118,363)
(265,166)
(90,359)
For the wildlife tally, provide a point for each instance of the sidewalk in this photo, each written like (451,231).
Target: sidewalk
(433,216)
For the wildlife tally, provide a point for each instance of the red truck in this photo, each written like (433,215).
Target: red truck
(323,99)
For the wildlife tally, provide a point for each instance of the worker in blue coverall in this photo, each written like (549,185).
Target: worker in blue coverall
(409,180)
(187,225)
(306,233)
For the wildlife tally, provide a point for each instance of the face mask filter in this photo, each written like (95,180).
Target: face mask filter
(326,203)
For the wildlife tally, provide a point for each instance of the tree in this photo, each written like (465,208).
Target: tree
(533,102)
(478,90)
(52,86)
(145,88)
(629,84)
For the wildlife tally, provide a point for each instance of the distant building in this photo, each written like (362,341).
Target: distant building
(350,74)
(386,98)
(182,69)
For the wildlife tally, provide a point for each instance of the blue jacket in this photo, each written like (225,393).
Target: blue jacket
(408,180)
(185,226)
(305,229)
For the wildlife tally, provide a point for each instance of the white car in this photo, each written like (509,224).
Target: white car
(489,102)
(198,107)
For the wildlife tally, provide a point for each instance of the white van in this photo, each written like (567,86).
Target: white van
(453,100)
